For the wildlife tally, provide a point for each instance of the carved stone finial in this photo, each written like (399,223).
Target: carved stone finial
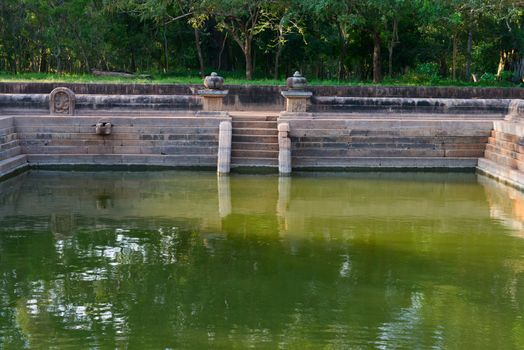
(62,101)
(214,81)
(516,110)
(296,82)
(296,96)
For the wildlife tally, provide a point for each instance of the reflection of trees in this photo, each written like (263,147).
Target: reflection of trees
(163,283)
(287,267)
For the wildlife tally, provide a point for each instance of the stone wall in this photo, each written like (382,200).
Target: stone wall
(261,92)
(268,98)
(11,157)
(169,130)
(336,104)
(181,141)
(326,141)
(88,104)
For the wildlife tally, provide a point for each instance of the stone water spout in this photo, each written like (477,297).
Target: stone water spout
(103,128)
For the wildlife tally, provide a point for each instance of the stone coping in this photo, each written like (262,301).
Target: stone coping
(254,92)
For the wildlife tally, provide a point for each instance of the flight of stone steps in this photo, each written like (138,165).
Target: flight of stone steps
(11,156)
(505,149)
(254,141)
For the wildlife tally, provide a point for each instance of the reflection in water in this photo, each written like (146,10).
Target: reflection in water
(186,260)
(506,204)
(224,196)
(284,194)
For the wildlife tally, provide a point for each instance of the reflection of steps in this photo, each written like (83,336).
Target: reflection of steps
(255,141)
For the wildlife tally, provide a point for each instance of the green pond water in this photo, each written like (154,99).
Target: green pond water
(169,260)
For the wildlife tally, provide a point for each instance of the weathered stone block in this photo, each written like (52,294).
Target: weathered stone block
(62,101)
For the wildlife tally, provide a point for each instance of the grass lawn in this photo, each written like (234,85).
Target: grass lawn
(236,78)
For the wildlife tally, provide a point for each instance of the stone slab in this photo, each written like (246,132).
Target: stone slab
(502,173)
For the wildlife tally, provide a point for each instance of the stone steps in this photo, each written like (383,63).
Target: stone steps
(124,159)
(11,164)
(11,152)
(116,143)
(513,177)
(256,146)
(254,162)
(127,149)
(510,146)
(503,160)
(241,153)
(262,124)
(504,152)
(254,141)
(8,145)
(263,118)
(348,139)
(505,137)
(255,131)
(388,152)
(385,162)
(403,145)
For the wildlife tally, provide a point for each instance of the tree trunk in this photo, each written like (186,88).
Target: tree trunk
(166,51)
(468,55)
(454,61)
(43,61)
(199,52)
(277,61)
(341,53)
(249,60)
(58,61)
(392,44)
(221,51)
(377,74)
(518,71)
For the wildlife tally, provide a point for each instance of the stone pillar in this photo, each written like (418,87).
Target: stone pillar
(296,95)
(62,101)
(284,149)
(213,95)
(224,148)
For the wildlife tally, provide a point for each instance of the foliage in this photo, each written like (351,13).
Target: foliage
(419,41)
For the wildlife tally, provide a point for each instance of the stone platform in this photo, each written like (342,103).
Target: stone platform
(328,133)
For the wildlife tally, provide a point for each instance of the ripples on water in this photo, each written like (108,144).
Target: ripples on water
(185,260)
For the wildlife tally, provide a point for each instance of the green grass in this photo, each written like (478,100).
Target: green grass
(235,78)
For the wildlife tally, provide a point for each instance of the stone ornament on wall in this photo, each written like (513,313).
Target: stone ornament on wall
(62,101)
(213,95)
(296,96)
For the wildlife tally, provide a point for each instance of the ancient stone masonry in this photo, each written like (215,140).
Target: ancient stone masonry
(62,101)
(314,132)
(296,95)
(11,157)
(224,148)
(504,156)
(213,95)
(284,154)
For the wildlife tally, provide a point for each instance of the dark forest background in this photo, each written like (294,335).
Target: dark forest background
(348,40)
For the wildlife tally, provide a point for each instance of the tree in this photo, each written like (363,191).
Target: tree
(243,20)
